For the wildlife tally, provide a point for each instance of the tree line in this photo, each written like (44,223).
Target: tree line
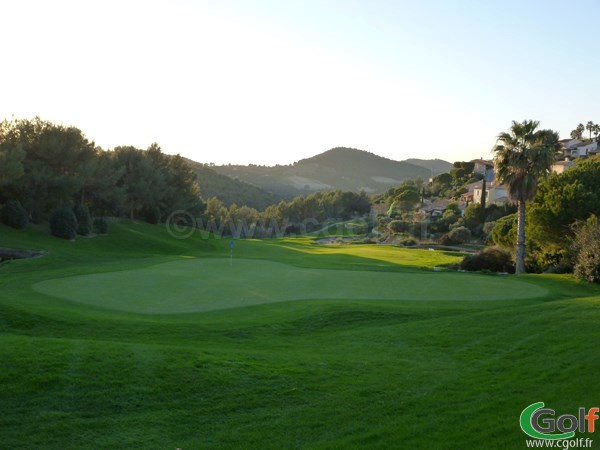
(590,127)
(300,215)
(45,166)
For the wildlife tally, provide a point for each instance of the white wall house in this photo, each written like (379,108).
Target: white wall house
(588,148)
(494,194)
(569,144)
(582,150)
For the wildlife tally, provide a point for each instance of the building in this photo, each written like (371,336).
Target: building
(560,166)
(495,194)
(582,149)
(588,148)
(569,144)
(482,165)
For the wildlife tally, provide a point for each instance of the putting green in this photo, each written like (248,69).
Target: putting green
(209,284)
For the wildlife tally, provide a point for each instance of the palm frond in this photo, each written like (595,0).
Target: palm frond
(523,155)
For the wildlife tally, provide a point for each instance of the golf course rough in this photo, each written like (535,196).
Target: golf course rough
(206,284)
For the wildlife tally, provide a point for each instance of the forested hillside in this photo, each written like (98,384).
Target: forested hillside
(339,168)
(436,166)
(231,190)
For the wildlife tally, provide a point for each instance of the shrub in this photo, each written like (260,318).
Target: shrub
(494,259)
(63,223)
(587,266)
(458,235)
(397,226)
(445,239)
(586,246)
(408,242)
(488,227)
(555,260)
(459,223)
(14,215)
(84,220)
(504,232)
(495,212)
(100,225)
(473,215)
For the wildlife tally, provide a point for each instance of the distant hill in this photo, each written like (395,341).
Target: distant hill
(436,165)
(230,190)
(339,168)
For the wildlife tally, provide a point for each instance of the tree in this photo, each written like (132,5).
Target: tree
(590,127)
(14,215)
(11,154)
(504,231)
(563,200)
(445,179)
(596,130)
(577,133)
(144,185)
(102,192)
(458,173)
(523,155)
(11,164)
(473,215)
(407,199)
(55,161)
(63,223)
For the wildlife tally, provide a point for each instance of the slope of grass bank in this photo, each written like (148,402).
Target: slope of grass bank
(317,372)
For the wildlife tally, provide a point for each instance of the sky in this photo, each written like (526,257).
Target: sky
(273,82)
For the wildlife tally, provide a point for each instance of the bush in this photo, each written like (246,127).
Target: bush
(494,259)
(588,266)
(397,226)
(84,220)
(488,227)
(63,223)
(586,246)
(504,232)
(459,223)
(14,215)
(458,235)
(473,215)
(100,225)
(554,260)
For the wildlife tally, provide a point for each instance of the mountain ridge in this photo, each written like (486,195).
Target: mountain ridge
(342,168)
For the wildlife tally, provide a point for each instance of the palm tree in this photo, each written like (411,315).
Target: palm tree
(523,155)
(590,127)
(580,128)
(596,131)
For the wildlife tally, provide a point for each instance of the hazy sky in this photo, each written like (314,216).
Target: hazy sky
(271,82)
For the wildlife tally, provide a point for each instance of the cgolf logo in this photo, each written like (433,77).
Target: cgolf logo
(540,423)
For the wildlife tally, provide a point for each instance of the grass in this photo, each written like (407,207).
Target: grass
(206,284)
(374,350)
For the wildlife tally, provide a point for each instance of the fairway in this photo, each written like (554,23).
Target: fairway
(204,284)
(139,340)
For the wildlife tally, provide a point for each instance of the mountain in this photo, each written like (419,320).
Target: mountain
(437,166)
(343,168)
(230,190)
